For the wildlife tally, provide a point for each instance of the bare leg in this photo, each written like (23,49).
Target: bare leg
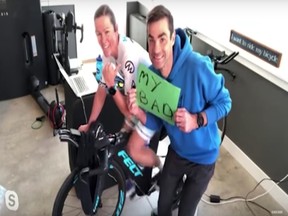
(141,153)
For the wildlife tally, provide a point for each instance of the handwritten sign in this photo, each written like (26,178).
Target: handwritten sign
(261,51)
(156,95)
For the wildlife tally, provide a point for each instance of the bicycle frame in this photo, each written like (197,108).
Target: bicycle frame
(94,162)
(140,176)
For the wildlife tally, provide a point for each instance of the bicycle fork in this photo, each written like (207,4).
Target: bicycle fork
(90,205)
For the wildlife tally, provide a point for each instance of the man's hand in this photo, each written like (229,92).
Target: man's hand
(185,121)
(109,73)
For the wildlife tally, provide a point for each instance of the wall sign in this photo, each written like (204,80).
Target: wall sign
(261,51)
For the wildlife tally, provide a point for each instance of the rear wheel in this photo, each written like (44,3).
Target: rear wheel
(111,202)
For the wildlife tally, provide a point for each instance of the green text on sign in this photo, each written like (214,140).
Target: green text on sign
(156,95)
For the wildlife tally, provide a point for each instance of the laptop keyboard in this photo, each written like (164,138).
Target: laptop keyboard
(81,84)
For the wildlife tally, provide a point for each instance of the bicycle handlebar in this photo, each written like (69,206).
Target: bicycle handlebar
(93,142)
(190,31)
(95,136)
(220,60)
(228,58)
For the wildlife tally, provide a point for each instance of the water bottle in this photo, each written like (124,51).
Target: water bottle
(99,65)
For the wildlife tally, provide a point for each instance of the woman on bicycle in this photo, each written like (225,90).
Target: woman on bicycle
(118,50)
(126,54)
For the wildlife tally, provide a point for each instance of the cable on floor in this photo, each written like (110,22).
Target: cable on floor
(38,122)
(217,200)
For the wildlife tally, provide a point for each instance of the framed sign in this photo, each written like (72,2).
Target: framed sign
(263,52)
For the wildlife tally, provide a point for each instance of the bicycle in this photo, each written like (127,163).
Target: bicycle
(222,60)
(96,186)
(217,60)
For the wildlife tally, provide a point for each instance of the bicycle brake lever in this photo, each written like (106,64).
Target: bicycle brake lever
(233,56)
(67,138)
(229,58)
(75,132)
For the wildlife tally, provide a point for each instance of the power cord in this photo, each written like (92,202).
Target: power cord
(217,200)
(84,110)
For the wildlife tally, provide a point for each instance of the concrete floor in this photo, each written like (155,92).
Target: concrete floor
(34,163)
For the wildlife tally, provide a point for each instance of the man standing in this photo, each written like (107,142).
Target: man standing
(194,137)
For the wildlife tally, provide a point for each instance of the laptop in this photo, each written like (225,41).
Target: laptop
(83,83)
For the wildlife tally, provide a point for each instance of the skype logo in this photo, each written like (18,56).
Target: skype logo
(11,200)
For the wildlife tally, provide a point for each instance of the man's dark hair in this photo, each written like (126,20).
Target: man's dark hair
(105,10)
(159,12)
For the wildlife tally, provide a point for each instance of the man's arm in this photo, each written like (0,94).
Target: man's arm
(217,96)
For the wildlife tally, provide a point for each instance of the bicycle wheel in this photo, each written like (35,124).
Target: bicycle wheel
(111,202)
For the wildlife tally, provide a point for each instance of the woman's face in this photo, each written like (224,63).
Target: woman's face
(106,35)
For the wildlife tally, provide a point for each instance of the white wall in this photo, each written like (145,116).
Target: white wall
(262,21)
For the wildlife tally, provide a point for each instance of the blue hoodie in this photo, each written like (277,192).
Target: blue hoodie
(201,90)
